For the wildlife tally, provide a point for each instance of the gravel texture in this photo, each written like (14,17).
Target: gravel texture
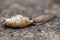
(47,31)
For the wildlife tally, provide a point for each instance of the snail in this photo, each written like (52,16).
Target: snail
(21,21)
(42,18)
(17,21)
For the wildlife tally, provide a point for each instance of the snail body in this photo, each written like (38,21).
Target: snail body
(42,18)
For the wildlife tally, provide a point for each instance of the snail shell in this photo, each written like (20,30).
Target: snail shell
(17,21)
(42,18)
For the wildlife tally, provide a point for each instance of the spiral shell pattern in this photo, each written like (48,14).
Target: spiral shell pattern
(17,21)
